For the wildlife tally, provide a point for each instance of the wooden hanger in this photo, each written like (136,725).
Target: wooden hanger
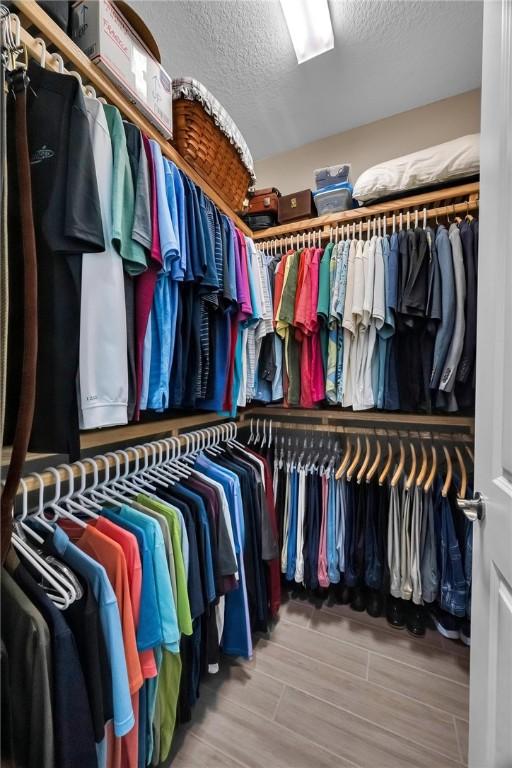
(376,462)
(385,472)
(366,461)
(449,472)
(412,474)
(345,460)
(400,468)
(424,467)
(355,462)
(470,454)
(433,471)
(463,474)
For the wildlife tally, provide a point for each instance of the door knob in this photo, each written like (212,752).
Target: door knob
(474,508)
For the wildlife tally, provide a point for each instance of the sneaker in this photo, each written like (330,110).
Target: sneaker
(446,624)
(416,621)
(465,632)
(395,612)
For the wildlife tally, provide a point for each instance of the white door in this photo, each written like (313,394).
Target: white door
(490,743)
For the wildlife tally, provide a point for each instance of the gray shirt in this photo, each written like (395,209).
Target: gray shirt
(27,641)
(142,231)
(457,342)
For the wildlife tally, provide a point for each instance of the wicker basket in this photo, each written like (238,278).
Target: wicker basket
(209,152)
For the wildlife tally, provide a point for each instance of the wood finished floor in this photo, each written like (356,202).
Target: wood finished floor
(328,688)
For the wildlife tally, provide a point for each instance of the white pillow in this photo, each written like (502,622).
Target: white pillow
(452,160)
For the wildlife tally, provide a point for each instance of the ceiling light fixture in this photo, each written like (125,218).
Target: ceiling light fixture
(310,27)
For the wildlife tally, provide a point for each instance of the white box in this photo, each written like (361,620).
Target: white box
(103,34)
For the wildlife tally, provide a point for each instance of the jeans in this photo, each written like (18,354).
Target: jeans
(292,525)
(351,534)
(341,503)
(372,554)
(453,581)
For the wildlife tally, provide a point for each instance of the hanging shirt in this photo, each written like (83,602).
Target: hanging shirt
(73,731)
(164,307)
(27,640)
(103,367)
(236,639)
(84,564)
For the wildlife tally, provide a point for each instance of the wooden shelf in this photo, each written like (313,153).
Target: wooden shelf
(415,202)
(101,440)
(372,420)
(52,33)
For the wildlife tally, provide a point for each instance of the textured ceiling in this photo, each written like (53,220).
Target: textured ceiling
(389,56)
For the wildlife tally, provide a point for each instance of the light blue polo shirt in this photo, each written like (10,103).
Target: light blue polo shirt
(164,594)
(164,308)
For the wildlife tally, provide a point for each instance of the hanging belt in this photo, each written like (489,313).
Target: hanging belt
(18,82)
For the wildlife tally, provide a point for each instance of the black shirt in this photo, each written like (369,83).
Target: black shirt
(67,222)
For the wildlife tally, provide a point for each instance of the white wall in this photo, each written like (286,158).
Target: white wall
(373,143)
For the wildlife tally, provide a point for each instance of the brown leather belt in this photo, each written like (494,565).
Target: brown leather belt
(18,82)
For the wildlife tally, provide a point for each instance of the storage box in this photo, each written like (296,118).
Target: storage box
(334,199)
(297,206)
(333,174)
(100,30)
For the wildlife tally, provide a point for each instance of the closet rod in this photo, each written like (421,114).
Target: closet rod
(412,434)
(191,440)
(51,33)
(404,205)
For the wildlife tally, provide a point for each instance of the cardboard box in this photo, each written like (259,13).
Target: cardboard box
(100,30)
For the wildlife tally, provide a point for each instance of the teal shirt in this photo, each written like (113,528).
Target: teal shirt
(123,197)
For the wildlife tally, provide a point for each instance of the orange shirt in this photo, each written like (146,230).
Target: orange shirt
(110,555)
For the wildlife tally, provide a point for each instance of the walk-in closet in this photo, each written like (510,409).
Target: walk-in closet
(255,285)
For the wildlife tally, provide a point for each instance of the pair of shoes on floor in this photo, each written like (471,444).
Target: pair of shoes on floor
(369,600)
(450,626)
(402,614)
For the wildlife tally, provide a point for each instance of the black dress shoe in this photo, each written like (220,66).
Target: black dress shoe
(416,624)
(395,612)
(343,594)
(374,603)
(358,599)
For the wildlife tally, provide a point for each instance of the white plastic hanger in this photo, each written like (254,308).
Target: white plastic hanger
(54,503)
(68,501)
(60,62)
(114,487)
(63,598)
(125,482)
(19,521)
(232,429)
(87,504)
